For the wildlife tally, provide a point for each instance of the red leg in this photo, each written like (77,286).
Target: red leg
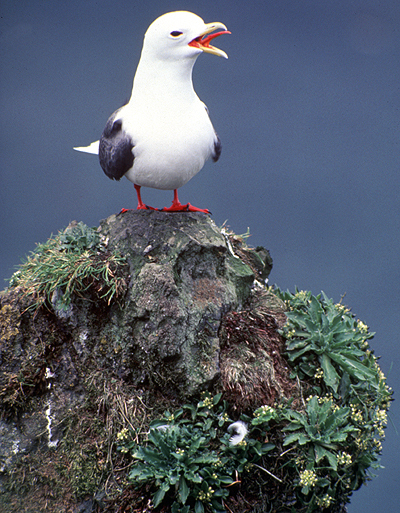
(141,205)
(178,207)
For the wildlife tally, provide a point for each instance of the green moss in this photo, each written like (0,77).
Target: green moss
(85,454)
(28,345)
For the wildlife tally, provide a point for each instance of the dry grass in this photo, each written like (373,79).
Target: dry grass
(254,369)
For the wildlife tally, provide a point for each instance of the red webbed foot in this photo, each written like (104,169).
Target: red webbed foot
(178,207)
(184,208)
(145,207)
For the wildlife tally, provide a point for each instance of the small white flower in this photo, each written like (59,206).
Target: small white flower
(240,430)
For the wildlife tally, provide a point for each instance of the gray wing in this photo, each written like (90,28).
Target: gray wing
(217,142)
(217,149)
(115,149)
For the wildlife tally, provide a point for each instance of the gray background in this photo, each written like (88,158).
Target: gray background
(307,107)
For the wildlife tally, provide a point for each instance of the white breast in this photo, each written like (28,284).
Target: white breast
(171,143)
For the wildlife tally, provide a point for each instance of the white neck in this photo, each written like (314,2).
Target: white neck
(163,79)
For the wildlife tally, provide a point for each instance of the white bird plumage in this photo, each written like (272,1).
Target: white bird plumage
(240,430)
(163,136)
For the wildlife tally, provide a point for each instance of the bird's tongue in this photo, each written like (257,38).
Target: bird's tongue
(204,41)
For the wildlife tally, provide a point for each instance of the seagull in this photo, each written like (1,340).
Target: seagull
(163,136)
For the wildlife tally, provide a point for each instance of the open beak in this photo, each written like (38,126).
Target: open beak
(204,39)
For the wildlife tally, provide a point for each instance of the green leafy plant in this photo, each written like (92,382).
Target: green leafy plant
(80,237)
(338,437)
(330,448)
(74,263)
(321,428)
(189,457)
(324,338)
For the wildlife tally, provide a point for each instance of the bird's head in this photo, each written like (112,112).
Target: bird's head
(182,35)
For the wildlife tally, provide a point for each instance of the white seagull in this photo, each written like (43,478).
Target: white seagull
(163,136)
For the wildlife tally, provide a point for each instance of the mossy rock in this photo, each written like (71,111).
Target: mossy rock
(163,308)
(71,354)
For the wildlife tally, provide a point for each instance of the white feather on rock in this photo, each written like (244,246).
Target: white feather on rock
(240,430)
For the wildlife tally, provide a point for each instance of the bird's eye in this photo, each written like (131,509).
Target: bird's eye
(176,33)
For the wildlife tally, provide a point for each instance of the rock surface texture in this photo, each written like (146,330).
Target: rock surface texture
(184,276)
(161,338)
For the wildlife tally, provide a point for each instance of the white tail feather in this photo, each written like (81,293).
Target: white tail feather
(92,148)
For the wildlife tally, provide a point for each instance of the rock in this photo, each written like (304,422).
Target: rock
(183,275)
(183,278)
(106,332)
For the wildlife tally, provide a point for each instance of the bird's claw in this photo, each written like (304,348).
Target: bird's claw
(191,208)
(123,210)
(146,207)
(142,207)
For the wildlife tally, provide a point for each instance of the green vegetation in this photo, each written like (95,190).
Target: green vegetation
(338,438)
(299,457)
(325,338)
(73,263)
(189,457)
